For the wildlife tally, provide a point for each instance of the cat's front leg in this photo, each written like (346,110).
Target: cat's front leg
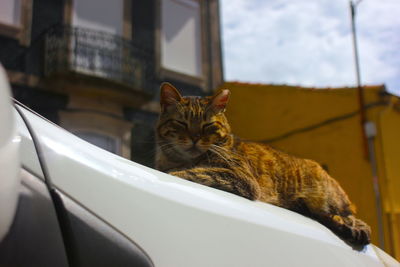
(224,179)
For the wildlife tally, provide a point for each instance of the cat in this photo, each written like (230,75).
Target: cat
(194,142)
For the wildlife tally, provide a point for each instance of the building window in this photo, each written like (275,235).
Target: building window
(15,19)
(98,42)
(95,41)
(105,142)
(181,37)
(102,130)
(10,12)
(100,15)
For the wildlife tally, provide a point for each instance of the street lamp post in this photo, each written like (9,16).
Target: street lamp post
(368,129)
(360,91)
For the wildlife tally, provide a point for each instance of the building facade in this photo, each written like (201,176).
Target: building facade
(94,66)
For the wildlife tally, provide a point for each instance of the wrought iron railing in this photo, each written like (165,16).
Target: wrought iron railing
(98,54)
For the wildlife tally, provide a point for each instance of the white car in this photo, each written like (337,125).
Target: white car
(65,202)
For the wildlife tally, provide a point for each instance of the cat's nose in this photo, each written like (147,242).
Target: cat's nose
(195,138)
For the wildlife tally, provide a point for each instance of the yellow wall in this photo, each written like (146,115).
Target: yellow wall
(263,112)
(389,142)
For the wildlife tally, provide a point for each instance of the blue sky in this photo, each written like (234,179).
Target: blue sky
(308,42)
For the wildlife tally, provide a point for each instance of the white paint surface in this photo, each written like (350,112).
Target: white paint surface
(9,157)
(180,223)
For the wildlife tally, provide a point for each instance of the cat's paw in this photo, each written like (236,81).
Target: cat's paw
(356,231)
(361,235)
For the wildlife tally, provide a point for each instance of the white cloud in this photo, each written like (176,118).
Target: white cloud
(308,42)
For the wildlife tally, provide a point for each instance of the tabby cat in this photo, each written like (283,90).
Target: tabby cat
(194,142)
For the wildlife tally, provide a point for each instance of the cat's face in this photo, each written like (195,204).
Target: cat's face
(190,126)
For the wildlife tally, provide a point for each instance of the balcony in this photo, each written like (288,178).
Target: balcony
(94,54)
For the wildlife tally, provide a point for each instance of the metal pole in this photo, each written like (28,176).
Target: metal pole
(368,131)
(360,91)
(371,131)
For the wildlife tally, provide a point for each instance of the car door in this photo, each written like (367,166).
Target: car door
(47,227)
(29,230)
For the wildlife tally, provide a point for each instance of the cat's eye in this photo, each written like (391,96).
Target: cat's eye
(181,123)
(208,125)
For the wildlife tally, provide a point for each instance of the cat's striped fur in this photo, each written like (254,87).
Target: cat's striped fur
(194,142)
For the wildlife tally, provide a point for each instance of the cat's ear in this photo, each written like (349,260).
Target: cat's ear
(169,95)
(219,101)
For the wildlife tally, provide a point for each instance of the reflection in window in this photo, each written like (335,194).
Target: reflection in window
(97,48)
(99,15)
(181,36)
(10,12)
(106,142)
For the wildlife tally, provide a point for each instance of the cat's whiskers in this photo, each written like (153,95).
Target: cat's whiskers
(227,151)
(167,147)
(232,153)
(221,155)
(228,154)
